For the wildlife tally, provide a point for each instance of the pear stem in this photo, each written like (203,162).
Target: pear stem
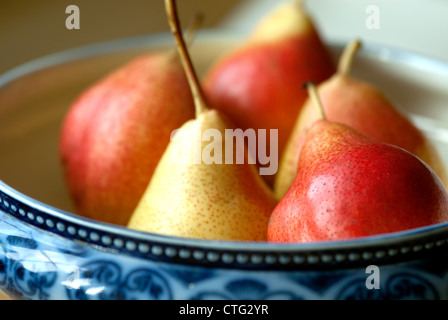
(346,61)
(192,78)
(314,96)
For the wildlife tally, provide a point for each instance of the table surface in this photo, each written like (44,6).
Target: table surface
(31,29)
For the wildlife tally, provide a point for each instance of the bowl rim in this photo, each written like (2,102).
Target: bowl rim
(384,248)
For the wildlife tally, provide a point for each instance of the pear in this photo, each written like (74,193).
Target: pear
(348,186)
(115,132)
(193,197)
(363,107)
(255,84)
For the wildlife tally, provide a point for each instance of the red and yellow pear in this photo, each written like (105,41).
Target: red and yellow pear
(365,108)
(256,83)
(195,192)
(348,186)
(115,132)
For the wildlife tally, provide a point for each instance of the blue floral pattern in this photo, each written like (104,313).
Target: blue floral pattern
(34,264)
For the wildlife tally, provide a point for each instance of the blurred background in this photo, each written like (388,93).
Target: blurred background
(33,28)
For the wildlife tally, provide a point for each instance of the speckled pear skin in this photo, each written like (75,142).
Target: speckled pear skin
(365,108)
(348,186)
(115,132)
(200,200)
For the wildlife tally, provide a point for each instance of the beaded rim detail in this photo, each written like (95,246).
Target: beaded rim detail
(379,249)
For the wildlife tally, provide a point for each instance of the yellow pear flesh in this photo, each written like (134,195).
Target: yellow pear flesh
(190,197)
(287,20)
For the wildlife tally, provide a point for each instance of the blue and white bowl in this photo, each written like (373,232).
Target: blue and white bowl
(46,252)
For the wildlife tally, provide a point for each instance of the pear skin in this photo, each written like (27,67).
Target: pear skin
(366,109)
(348,187)
(116,131)
(188,197)
(198,190)
(256,83)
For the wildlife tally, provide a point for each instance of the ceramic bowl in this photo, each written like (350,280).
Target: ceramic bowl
(47,252)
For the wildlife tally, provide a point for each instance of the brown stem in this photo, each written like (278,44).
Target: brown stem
(193,81)
(346,60)
(314,96)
